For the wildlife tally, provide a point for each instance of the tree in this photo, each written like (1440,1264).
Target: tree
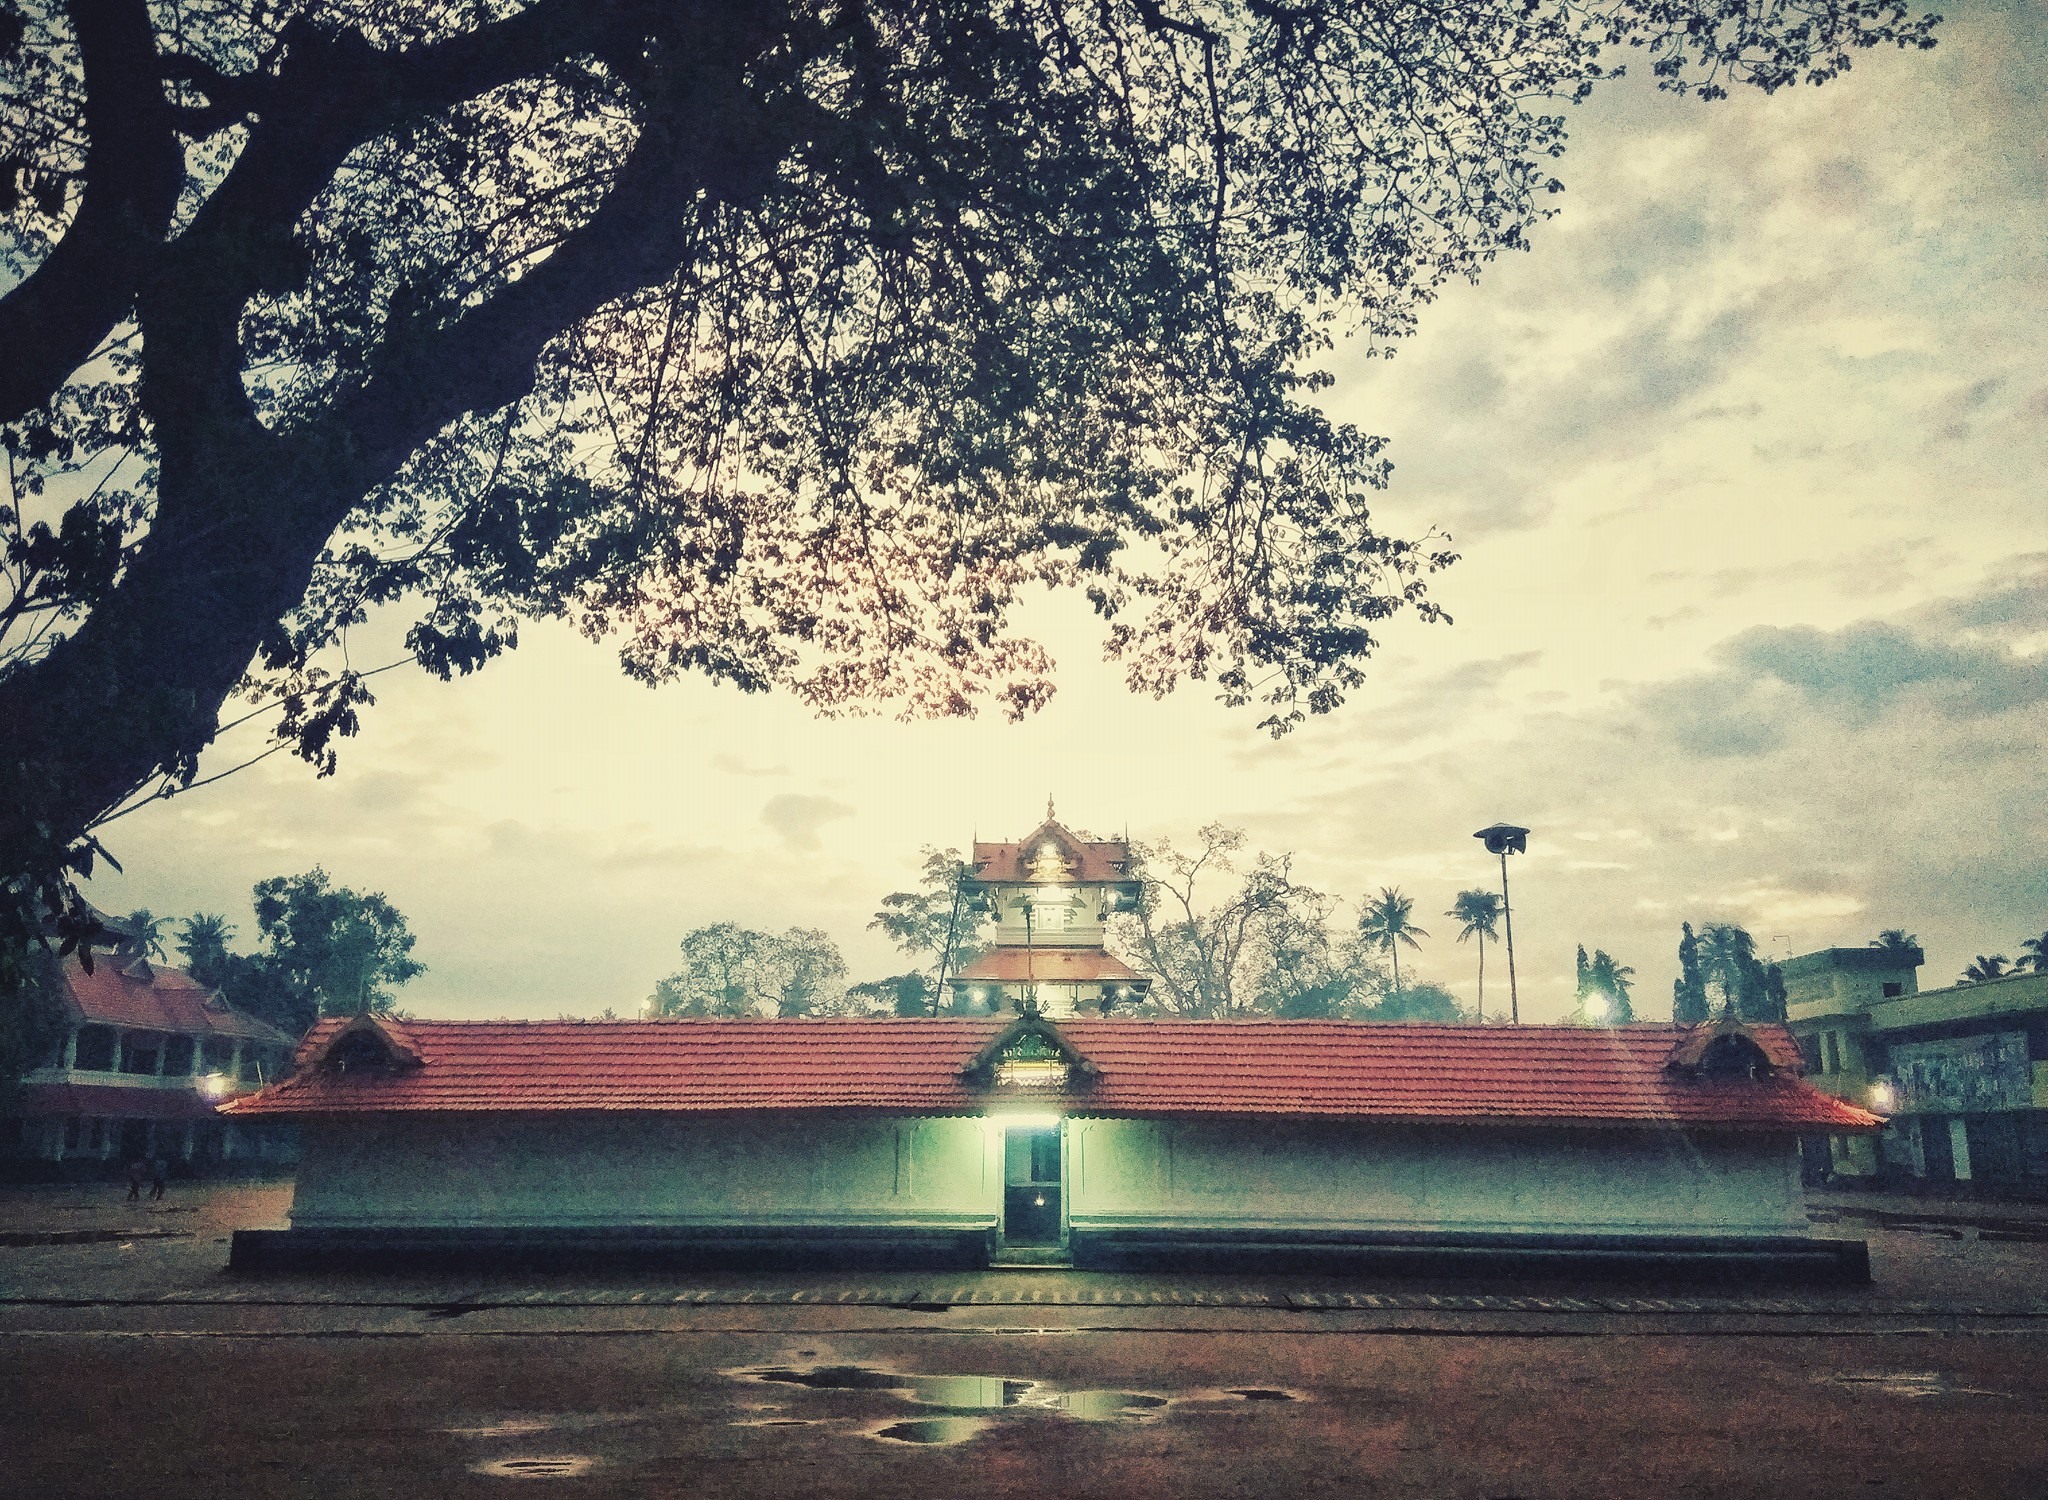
(730,970)
(203,943)
(149,931)
(1386,922)
(1689,989)
(902,995)
(944,921)
(785,343)
(1603,990)
(1478,913)
(1206,956)
(1423,1001)
(1303,969)
(1897,944)
(720,974)
(2034,954)
(329,950)
(1982,969)
(802,972)
(1728,959)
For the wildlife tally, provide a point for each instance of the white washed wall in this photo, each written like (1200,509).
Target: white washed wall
(650,1170)
(508,1172)
(1589,1181)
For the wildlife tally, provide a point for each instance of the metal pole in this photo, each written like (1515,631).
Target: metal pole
(1507,911)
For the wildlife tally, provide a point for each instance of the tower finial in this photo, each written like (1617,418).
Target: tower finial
(1048,807)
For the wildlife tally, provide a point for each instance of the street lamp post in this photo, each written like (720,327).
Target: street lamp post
(1505,839)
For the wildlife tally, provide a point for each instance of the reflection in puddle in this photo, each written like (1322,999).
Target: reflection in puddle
(835,1378)
(966,1392)
(510,1427)
(550,1466)
(1101,1406)
(932,1431)
(1914,1384)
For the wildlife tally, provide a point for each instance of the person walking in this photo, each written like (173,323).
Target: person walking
(136,1172)
(159,1175)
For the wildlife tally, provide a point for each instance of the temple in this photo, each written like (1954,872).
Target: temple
(1052,895)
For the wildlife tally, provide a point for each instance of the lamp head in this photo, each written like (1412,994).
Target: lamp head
(1504,838)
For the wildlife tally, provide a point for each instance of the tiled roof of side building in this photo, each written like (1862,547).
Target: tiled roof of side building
(155,997)
(1451,1075)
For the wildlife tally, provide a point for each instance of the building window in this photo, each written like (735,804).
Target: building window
(216,1055)
(178,1056)
(1833,1053)
(1893,989)
(139,1052)
(73,1129)
(95,1049)
(98,1138)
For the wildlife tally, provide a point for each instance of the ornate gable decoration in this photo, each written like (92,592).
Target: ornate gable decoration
(368,1043)
(1726,1049)
(1030,1056)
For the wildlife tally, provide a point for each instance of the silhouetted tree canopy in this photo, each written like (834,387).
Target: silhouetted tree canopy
(780,342)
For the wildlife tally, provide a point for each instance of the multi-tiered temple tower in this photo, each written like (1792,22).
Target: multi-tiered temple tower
(1052,895)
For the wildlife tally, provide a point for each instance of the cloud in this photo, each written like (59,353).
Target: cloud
(733,765)
(1855,676)
(797,819)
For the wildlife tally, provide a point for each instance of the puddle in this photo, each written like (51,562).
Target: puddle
(1103,1406)
(779,1422)
(1262,1393)
(834,1378)
(931,1431)
(967,1392)
(959,1394)
(1914,1384)
(548,1466)
(512,1427)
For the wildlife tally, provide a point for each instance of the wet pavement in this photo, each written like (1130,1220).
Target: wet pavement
(133,1365)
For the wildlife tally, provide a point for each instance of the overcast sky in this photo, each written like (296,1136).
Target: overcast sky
(1745,462)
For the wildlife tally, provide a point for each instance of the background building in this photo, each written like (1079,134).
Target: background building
(1962,1071)
(1052,895)
(145,1054)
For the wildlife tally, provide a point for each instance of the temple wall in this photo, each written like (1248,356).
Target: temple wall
(1218,1174)
(650,1170)
(653,1170)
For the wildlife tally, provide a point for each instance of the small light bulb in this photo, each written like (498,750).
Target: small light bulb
(1039,1201)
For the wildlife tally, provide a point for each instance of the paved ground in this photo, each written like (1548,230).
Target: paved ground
(131,1364)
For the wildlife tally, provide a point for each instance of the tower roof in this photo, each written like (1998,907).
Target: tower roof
(1053,854)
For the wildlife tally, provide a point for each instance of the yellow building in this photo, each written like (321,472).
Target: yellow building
(1961,1071)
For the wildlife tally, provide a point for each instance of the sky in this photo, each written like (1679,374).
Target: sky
(1745,463)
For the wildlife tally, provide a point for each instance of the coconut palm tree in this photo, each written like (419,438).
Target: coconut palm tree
(1896,943)
(1612,979)
(2034,954)
(1727,954)
(1386,921)
(1479,912)
(1982,969)
(149,931)
(203,940)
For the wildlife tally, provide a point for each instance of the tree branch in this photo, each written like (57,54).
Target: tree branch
(51,322)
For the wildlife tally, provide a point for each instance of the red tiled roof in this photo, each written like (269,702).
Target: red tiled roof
(155,997)
(114,1101)
(1087,859)
(1071,964)
(1480,1075)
